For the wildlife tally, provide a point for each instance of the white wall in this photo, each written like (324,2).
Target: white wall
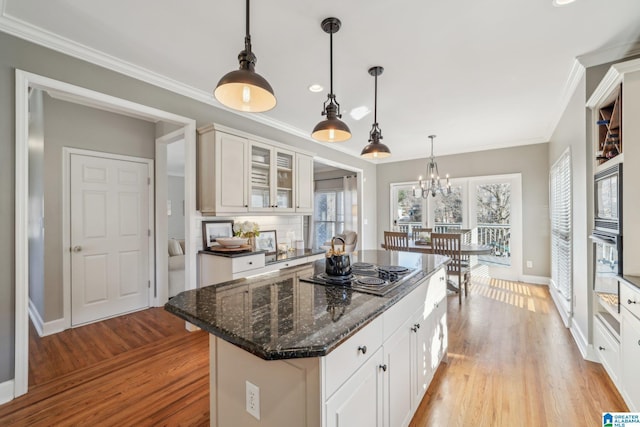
(175,194)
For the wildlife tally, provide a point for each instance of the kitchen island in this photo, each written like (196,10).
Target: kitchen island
(288,352)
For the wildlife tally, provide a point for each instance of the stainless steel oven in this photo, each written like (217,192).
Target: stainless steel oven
(607,262)
(608,200)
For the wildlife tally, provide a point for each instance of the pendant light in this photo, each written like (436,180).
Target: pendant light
(332,129)
(244,89)
(375,149)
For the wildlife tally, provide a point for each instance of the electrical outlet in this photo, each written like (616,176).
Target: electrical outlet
(529,264)
(253,399)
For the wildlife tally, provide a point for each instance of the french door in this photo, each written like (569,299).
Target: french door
(488,206)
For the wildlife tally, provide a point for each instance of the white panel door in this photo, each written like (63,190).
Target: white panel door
(109,237)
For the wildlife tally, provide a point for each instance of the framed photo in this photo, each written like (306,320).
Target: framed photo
(267,241)
(211,230)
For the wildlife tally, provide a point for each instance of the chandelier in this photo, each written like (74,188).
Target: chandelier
(432,183)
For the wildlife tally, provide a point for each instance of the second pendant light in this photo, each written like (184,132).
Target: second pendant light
(332,129)
(375,149)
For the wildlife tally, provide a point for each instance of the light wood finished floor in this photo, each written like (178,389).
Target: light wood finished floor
(511,363)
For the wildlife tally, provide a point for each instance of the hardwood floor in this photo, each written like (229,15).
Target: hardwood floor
(142,369)
(511,363)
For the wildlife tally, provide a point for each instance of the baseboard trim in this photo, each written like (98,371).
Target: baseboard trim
(6,391)
(536,280)
(580,340)
(45,328)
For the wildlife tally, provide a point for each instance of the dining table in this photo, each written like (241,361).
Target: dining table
(465,249)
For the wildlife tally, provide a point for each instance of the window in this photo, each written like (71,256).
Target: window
(328,215)
(561,237)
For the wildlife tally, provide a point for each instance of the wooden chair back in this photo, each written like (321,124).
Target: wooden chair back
(416,231)
(450,244)
(396,241)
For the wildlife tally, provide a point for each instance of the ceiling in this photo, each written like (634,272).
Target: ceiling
(479,74)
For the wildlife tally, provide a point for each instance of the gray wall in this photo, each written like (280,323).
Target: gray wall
(529,160)
(76,126)
(175,193)
(16,53)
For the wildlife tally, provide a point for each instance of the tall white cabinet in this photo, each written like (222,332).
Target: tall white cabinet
(616,335)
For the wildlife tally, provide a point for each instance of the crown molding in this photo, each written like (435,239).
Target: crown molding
(610,80)
(610,54)
(569,88)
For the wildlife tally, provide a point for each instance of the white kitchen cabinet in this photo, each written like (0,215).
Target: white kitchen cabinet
(358,402)
(272,179)
(222,172)
(304,184)
(213,269)
(630,346)
(398,376)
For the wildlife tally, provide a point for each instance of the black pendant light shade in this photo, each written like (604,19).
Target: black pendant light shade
(375,149)
(244,89)
(332,129)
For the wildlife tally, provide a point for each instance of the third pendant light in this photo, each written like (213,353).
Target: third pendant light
(375,149)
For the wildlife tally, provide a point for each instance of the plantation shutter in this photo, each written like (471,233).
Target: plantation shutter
(561,236)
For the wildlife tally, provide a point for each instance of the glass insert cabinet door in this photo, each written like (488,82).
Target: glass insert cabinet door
(272,178)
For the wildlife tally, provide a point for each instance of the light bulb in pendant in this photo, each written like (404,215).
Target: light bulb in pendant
(246,94)
(332,134)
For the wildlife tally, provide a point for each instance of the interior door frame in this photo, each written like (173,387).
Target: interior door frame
(66,221)
(24,81)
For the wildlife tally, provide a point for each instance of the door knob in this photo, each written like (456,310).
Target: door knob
(77,248)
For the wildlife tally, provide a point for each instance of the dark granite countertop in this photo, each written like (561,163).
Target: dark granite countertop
(273,259)
(230,254)
(277,316)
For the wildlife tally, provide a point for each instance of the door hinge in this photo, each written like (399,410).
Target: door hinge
(149,233)
(149,284)
(148,180)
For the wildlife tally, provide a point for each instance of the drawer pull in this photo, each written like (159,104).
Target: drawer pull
(363,349)
(601,348)
(631,302)
(250,262)
(384,368)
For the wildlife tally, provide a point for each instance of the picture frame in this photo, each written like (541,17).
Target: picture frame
(211,230)
(267,241)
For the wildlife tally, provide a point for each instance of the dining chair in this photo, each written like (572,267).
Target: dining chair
(449,244)
(415,232)
(465,239)
(396,241)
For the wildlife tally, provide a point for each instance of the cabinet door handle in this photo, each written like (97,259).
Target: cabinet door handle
(250,262)
(384,368)
(246,206)
(415,327)
(363,349)
(601,348)
(631,302)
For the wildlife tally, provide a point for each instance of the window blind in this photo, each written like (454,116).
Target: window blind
(561,235)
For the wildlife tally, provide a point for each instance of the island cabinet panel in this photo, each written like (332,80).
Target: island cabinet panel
(345,360)
(398,376)
(358,403)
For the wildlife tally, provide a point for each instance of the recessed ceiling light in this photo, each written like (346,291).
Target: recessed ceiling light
(359,112)
(315,88)
(558,3)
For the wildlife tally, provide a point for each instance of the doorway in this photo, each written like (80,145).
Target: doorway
(25,82)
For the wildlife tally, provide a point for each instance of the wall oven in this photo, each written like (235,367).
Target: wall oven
(608,200)
(607,262)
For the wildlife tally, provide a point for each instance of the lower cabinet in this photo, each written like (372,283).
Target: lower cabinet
(358,402)
(387,389)
(630,355)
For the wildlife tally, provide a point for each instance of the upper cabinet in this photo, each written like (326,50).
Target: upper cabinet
(609,122)
(304,187)
(242,174)
(272,178)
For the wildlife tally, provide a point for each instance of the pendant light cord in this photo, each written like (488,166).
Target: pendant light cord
(375,101)
(331,62)
(247,37)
